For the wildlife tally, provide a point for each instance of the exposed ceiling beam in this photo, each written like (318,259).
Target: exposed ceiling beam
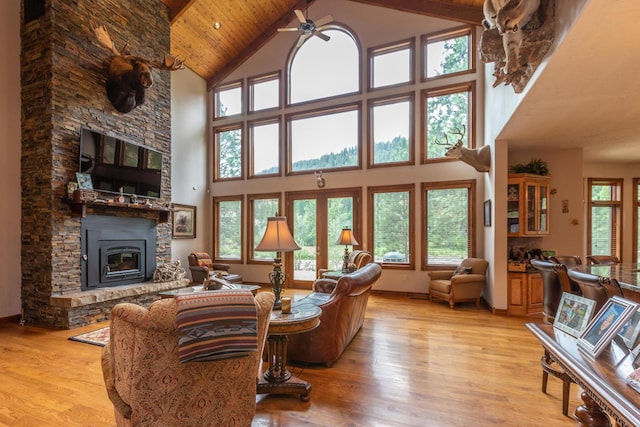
(177,8)
(438,9)
(254,46)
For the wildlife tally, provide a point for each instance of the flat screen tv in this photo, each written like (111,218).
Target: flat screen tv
(114,164)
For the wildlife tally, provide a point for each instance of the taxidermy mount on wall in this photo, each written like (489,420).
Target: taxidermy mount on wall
(479,158)
(518,34)
(130,76)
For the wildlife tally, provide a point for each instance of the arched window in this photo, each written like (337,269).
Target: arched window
(322,69)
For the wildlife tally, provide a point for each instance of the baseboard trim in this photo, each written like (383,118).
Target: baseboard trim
(10,319)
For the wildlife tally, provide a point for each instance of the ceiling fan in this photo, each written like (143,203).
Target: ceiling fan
(307,27)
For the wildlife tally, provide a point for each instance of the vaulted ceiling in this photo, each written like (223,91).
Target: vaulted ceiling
(246,25)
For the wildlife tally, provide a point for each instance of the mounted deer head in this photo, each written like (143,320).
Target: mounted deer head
(479,158)
(129,76)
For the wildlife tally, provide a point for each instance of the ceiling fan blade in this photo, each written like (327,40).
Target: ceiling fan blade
(324,20)
(300,16)
(301,40)
(288,29)
(321,35)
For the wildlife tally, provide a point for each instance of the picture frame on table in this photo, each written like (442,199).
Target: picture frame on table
(605,325)
(84,181)
(487,213)
(574,313)
(183,220)
(631,330)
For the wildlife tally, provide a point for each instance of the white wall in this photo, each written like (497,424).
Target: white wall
(189,159)
(10,188)
(373,26)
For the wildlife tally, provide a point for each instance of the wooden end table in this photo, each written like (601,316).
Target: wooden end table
(277,379)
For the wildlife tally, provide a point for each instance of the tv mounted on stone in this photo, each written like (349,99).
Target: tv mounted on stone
(114,163)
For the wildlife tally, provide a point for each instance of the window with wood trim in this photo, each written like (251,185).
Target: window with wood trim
(604,216)
(264,92)
(449,53)
(391,64)
(228,153)
(227,227)
(261,207)
(448,225)
(391,131)
(391,215)
(448,116)
(228,99)
(636,219)
(264,147)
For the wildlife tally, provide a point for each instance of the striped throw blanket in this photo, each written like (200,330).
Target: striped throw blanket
(216,325)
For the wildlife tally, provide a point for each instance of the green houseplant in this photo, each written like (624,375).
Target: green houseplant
(535,166)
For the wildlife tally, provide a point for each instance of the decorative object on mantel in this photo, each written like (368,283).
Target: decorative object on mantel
(518,34)
(479,158)
(168,272)
(535,166)
(130,76)
(184,221)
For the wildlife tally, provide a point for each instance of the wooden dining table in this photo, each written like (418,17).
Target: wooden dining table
(626,274)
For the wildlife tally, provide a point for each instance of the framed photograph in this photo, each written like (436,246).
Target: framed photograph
(184,221)
(630,331)
(574,313)
(487,213)
(84,181)
(605,325)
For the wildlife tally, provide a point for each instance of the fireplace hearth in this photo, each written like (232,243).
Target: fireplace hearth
(117,251)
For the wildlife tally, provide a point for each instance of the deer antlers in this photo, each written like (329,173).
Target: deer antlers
(457,132)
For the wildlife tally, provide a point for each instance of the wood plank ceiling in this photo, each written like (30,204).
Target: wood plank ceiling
(247,25)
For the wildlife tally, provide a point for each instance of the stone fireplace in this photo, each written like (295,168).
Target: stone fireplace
(63,73)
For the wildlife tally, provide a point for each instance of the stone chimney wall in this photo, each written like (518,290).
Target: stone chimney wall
(63,72)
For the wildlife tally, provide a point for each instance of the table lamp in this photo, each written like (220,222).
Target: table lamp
(277,238)
(346,238)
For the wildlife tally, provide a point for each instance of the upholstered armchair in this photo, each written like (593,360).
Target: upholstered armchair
(150,386)
(465,283)
(358,258)
(200,264)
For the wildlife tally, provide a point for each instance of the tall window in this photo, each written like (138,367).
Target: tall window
(264,92)
(228,99)
(228,228)
(636,219)
(391,64)
(448,232)
(261,207)
(321,69)
(391,130)
(323,140)
(228,153)
(448,113)
(264,147)
(448,53)
(605,226)
(391,215)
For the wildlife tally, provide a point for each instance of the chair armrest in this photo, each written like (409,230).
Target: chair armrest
(325,286)
(468,278)
(120,405)
(198,268)
(220,266)
(441,274)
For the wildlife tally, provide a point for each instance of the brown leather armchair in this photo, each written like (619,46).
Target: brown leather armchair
(358,258)
(150,386)
(201,264)
(343,303)
(462,284)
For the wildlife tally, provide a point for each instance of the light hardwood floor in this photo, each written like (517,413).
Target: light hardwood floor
(414,363)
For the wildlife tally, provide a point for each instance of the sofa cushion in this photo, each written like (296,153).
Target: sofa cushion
(462,270)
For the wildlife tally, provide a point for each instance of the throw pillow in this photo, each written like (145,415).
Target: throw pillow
(462,270)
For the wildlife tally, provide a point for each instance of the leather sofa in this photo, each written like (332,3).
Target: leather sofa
(343,303)
(201,264)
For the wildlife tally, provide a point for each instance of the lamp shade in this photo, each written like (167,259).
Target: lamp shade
(277,237)
(346,237)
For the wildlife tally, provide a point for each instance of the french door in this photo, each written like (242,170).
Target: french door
(317,218)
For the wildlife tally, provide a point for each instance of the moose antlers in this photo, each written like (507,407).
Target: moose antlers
(129,76)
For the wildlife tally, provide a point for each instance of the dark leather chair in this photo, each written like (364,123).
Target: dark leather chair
(201,266)
(551,296)
(597,288)
(603,259)
(568,284)
(343,303)
(568,260)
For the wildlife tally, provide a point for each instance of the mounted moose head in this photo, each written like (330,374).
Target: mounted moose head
(479,158)
(130,76)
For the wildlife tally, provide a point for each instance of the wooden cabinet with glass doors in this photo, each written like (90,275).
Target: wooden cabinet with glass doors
(527,205)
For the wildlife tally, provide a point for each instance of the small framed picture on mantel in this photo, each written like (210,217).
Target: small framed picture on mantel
(183,221)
